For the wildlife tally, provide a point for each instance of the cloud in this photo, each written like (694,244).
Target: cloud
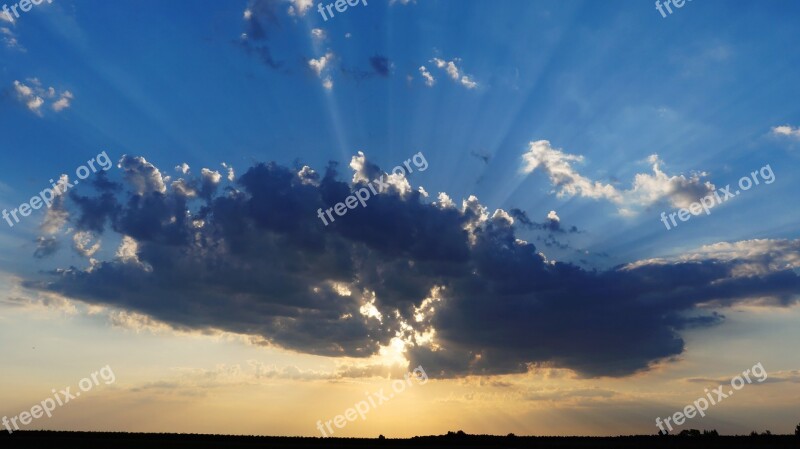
(143,175)
(318,34)
(319,64)
(85,243)
(46,246)
(378,66)
(381,65)
(551,223)
(786,131)
(63,102)
(9,38)
(647,188)
(261,18)
(33,95)
(454,72)
(299,7)
(320,67)
(468,82)
(426,75)
(451,281)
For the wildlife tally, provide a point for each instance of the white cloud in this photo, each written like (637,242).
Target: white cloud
(82,243)
(318,34)
(231,174)
(454,72)
(647,188)
(183,168)
(34,96)
(468,83)
(25,95)
(300,7)
(142,174)
(247,14)
(564,178)
(212,176)
(429,79)
(787,131)
(63,102)
(318,65)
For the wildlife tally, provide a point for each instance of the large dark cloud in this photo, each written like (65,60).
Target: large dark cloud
(253,257)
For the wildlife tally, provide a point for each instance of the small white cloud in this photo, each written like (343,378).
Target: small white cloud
(429,79)
(347,35)
(318,34)
(212,176)
(327,83)
(300,7)
(552,216)
(248,14)
(468,83)
(183,168)
(26,95)
(786,131)
(33,96)
(454,72)
(231,174)
(318,65)
(63,102)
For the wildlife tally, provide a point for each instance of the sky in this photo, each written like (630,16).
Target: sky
(567,217)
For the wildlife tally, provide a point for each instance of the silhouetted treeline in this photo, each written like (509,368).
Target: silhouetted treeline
(460,440)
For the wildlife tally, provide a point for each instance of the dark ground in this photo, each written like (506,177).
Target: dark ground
(99,440)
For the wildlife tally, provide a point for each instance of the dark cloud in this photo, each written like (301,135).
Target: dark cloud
(380,65)
(549,224)
(485,157)
(259,27)
(46,246)
(254,258)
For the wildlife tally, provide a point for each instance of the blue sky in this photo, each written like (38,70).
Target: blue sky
(583,94)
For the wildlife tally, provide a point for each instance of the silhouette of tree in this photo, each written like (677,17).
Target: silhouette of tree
(381,437)
(797,431)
